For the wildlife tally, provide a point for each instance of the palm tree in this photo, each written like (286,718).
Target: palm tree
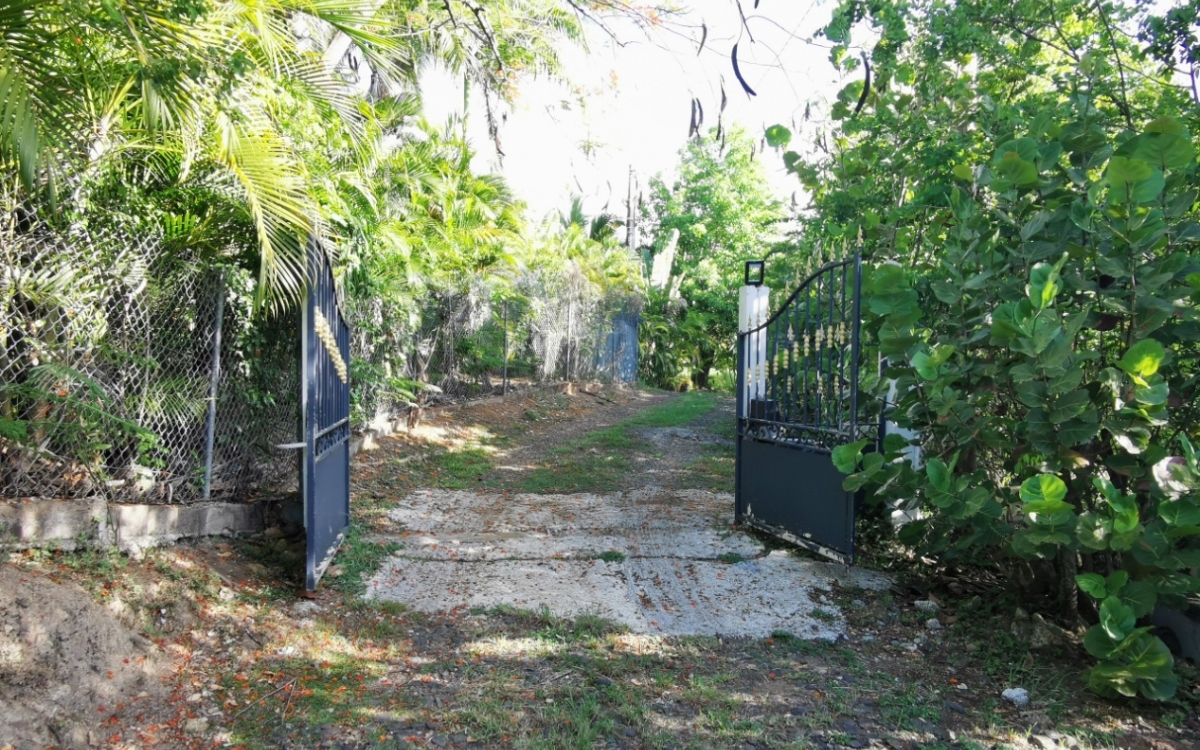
(176,90)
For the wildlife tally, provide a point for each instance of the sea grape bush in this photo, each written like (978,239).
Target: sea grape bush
(1031,235)
(1049,362)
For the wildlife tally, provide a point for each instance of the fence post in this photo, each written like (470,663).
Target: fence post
(215,376)
(570,334)
(504,384)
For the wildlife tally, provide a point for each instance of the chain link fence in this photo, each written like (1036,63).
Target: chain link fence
(479,341)
(134,374)
(112,382)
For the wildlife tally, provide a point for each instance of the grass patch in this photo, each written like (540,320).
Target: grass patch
(687,408)
(731,558)
(611,556)
(601,460)
(358,558)
(458,470)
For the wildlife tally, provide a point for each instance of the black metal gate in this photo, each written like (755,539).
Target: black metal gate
(325,410)
(797,401)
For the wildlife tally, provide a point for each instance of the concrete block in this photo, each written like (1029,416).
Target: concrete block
(57,524)
(138,527)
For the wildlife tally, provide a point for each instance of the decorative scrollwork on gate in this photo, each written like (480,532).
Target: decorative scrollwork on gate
(799,369)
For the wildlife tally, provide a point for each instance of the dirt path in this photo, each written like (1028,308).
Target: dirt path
(655,554)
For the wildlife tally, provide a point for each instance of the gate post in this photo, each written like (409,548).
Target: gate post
(753,311)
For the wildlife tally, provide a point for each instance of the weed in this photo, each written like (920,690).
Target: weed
(611,556)
(358,558)
(102,562)
(824,615)
(731,558)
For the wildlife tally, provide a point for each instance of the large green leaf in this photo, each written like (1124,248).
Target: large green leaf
(778,136)
(1116,618)
(1142,360)
(1017,171)
(1042,488)
(1044,285)
(938,473)
(1132,180)
(1165,150)
(1092,584)
(846,457)
(1025,149)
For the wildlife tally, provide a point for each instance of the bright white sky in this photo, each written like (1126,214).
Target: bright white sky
(637,101)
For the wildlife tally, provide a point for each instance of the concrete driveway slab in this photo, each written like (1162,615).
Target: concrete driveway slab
(675,565)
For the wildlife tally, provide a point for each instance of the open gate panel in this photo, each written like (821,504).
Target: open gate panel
(325,413)
(798,380)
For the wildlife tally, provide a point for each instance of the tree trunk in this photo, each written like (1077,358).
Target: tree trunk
(1068,591)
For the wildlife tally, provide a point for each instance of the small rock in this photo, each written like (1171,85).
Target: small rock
(858,603)
(307,623)
(194,698)
(195,726)
(288,651)
(334,571)
(1019,697)
(849,726)
(439,740)
(926,605)
(1044,634)
(629,732)
(923,726)
(933,623)
(603,681)
(305,608)
(1042,742)
(957,708)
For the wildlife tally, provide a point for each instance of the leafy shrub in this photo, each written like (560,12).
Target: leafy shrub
(1049,361)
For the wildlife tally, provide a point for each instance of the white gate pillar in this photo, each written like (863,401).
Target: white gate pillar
(754,307)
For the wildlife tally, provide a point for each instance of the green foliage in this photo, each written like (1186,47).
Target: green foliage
(1030,226)
(723,210)
(59,411)
(231,125)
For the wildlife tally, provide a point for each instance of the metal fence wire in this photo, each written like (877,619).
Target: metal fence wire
(134,374)
(476,341)
(109,363)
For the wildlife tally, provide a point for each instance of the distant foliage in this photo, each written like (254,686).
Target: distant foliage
(725,214)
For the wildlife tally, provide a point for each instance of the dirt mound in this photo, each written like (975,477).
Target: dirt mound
(63,657)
